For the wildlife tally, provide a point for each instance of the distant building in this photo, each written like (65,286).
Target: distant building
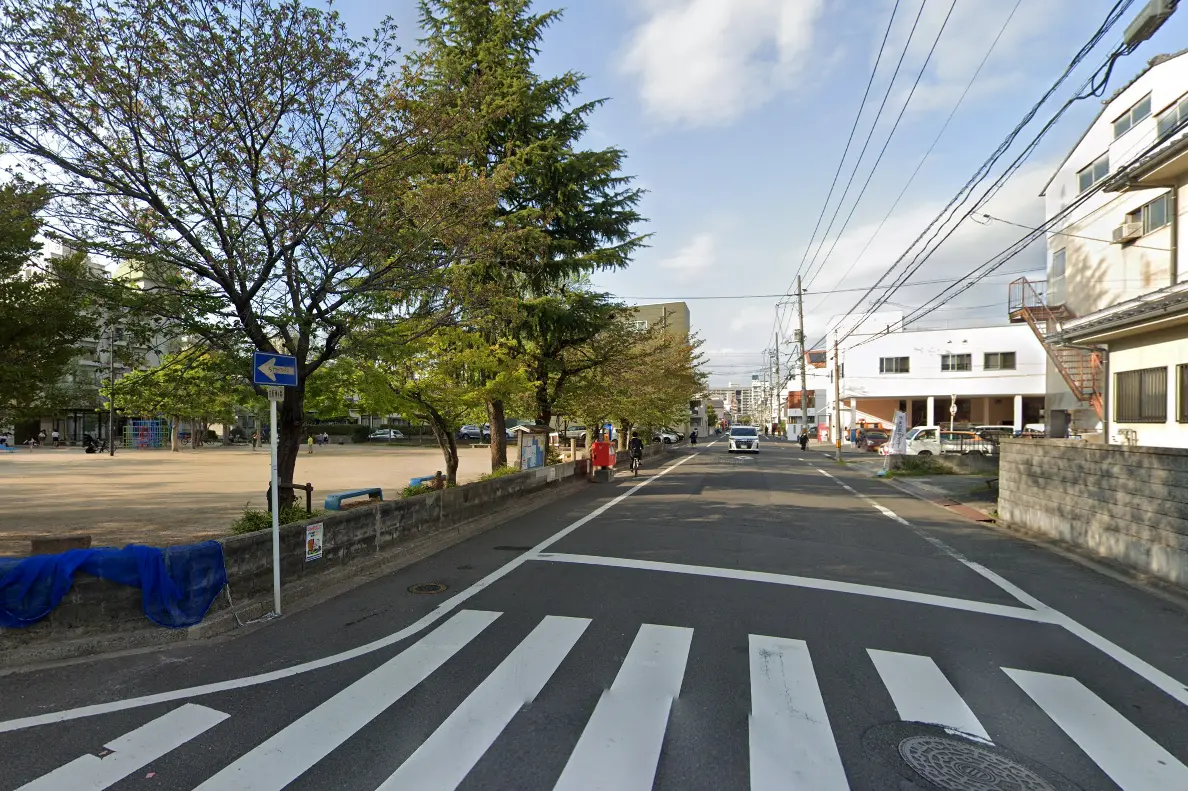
(672,315)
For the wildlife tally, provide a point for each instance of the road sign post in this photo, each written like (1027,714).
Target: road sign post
(274,372)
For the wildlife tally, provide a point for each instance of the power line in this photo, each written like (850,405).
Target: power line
(931,148)
(1074,235)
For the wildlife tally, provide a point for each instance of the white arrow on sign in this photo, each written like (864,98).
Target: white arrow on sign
(270,369)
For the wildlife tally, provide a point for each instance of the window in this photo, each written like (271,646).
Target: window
(1000,361)
(1170,121)
(639,325)
(1153,215)
(956,362)
(1141,396)
(1132,116)
(894,365)
(1095,172)
(1182,374)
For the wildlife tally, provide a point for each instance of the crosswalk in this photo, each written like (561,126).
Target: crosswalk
(790,734)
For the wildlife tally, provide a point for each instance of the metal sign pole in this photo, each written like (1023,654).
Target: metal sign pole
(276,596)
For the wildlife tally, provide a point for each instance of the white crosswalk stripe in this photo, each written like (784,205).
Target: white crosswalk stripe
(792,745)
(1130,757)
(130,752)
(790,734)
(620,747)
(922,693)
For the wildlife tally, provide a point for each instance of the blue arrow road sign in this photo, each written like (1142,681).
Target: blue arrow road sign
(274,369)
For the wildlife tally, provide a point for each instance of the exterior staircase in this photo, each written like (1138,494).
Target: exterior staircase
(1081,368)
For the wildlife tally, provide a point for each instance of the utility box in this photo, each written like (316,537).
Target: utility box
(602,454)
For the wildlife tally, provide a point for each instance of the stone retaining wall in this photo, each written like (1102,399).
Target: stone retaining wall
(1126,504)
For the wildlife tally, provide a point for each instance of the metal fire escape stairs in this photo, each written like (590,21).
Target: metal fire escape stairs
(1082,368)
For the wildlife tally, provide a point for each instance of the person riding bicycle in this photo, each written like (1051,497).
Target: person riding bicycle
(635,446)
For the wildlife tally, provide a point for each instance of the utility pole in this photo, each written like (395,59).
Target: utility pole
(837,437)
(779,387)
(111,395)
(803,357)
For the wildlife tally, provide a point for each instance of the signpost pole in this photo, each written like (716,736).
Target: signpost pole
(272,436)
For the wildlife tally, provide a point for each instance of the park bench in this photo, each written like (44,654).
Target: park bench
(8,448)
(334,501)
(425,480)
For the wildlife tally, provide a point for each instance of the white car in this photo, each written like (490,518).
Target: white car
(387,434)
(744,439)
(666,436)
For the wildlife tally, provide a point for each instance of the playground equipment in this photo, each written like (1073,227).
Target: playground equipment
(146,434)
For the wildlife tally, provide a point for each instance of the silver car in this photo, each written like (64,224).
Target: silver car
(744,439)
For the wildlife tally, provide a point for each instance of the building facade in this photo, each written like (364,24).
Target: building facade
(1111,313)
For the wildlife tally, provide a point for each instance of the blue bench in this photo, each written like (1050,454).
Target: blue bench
(334,501)
(8,448)
(424,480)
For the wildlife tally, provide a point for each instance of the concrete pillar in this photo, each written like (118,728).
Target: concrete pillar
(1018,413)
(931,420)
(907,411)
(986,411)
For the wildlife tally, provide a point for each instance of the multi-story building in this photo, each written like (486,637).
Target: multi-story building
(674,316)
(1113,313)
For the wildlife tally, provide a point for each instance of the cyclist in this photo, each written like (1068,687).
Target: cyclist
(635,448)
(693,437)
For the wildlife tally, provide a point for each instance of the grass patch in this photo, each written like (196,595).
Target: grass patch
(251,520)
(414,491)
(499,472)
(919,465)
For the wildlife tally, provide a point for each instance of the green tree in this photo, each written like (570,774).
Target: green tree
(269,173)
(565,212)
(45,309)
(711,416)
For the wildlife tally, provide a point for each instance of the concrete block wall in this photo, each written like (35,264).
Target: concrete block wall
(1126,504)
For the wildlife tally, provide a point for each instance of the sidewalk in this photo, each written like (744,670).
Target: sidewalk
(971,496)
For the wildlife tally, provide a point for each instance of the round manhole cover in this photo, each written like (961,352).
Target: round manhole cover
(964,766)
(427,587)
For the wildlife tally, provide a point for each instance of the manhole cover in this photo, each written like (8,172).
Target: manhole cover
(964,766)
(426,587)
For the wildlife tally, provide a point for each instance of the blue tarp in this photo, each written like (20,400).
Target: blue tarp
(177,584)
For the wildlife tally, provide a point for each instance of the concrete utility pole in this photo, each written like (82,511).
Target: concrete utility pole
(837,437)
(111,398)
(803,356)
(779,388)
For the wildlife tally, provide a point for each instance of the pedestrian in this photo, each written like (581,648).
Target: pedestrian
(57,438)
(32,443)
(41,437)
(803,439)
(255,439)
(325,438)
(309,443)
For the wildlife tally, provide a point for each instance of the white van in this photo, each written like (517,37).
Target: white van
(934,440)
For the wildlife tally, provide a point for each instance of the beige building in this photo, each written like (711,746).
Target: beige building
(673,315)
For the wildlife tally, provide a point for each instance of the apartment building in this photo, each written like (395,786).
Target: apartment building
(1113,312)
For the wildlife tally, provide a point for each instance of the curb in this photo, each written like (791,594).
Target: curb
(950,505)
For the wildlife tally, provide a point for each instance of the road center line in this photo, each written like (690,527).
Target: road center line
(1154,675)
(813,583)
(445,608)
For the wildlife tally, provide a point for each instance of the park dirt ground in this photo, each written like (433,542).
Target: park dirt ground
(161,498)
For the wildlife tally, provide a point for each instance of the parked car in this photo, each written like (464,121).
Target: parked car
(471,432)
(574,432)
(875,439)
(385,435)
(743,439)
(666,436)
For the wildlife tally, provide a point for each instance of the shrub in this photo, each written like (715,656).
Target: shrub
(253,520)
(553,456)
(499,472)
(922,465)
(413,491)
(237,433)
(211,436)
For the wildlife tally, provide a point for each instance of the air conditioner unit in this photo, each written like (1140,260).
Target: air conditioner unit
(1128,231)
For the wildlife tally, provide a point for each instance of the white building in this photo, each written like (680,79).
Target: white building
(1114,310)
(994,376)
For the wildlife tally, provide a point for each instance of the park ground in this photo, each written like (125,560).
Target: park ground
(162,498)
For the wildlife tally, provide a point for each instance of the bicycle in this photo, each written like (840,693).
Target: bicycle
(635,461)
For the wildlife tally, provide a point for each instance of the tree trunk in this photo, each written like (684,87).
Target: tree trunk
(544,404)
(174,435)
(445,441)
(498,420)
(624,433)
(226,439)
(290,428)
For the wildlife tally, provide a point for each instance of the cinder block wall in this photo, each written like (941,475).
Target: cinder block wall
(1126,504)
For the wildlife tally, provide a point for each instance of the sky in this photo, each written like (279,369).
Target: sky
(734,115)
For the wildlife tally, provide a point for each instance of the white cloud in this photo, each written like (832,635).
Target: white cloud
(706,62)
(694,258)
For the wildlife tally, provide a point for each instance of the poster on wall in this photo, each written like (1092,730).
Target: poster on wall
(532,450)
(313,542)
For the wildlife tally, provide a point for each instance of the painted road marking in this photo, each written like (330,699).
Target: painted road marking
(1126,754)
(969,605)
(620,746)
(792,744)
(1172,686)
(446,757)
(130,752)
(443,609)
(287,755)
(922,693)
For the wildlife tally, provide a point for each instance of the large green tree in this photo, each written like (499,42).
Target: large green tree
(46,308)
(267,171)
(565,212)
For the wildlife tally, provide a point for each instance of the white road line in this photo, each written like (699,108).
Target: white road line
(446,757)
(1172,686)
(620,746)
(792,744)
(288,754)
(445,608)
(1126,754)
(858,589)
(922,693)
(130,752)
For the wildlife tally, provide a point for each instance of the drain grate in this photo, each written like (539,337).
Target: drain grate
(427,587)
(964,766)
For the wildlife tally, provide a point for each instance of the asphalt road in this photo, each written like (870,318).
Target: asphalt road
(721,622)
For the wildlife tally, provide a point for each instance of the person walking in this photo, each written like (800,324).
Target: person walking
(41,437)
(803,439)
(57,438)
(255,439)
(309,443)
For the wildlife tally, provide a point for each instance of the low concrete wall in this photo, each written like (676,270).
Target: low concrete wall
(1129,505)
(392,532)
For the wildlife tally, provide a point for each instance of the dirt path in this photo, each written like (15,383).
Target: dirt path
(160,498)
